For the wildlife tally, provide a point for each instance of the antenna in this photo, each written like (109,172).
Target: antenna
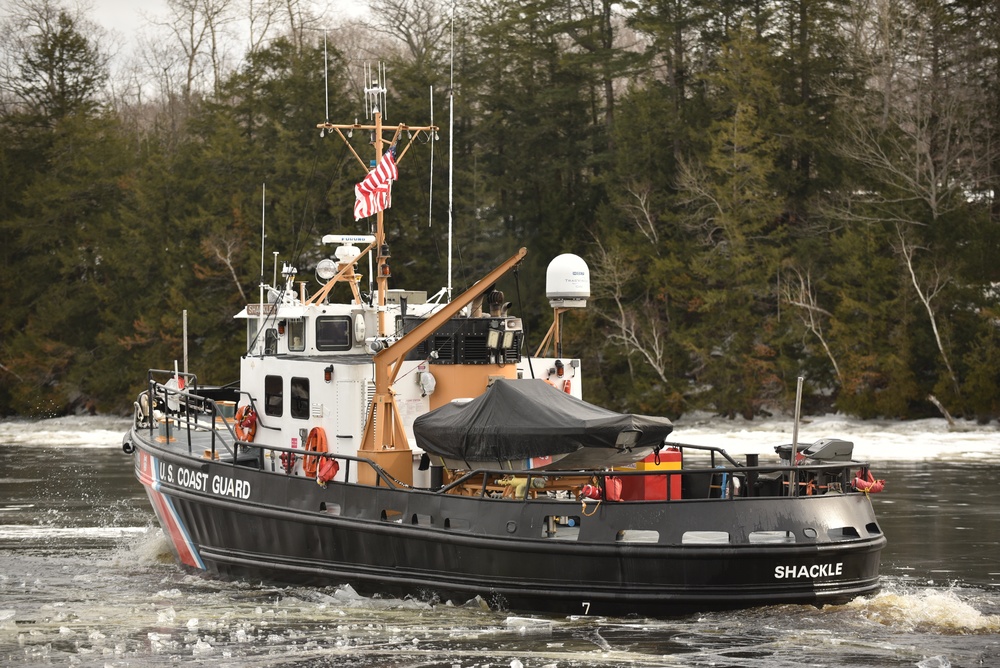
(375,90)
(326,84)
(451,145)
(263,200)
(260,314)
(430,189)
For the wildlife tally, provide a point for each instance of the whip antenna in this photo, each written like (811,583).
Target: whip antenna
(430,189)
(326,84)
(263,199)
(451,145)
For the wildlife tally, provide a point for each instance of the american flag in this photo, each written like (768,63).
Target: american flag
(375,193)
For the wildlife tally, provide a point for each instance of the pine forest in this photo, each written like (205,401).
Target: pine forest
(762,190)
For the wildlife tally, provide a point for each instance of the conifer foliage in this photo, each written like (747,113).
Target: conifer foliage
(762,191)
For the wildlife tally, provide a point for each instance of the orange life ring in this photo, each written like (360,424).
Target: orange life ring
(246,423)
(315,442)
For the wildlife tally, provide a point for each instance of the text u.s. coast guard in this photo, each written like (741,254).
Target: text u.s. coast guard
(202,482)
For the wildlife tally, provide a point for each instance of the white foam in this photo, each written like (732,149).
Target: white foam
(144,547)
(926,610)
(43,532)
(83,431)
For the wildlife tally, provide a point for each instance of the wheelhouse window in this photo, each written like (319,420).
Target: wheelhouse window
(274,398)
(296,335)
(333,333)
(300,398)
(251,333)
(271,342)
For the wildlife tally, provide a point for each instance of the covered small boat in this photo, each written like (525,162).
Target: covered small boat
(531,424)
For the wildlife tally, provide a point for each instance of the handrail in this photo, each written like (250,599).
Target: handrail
(380,472)
(202,406)
(485,475)
(713,449)
(738,468)
(192,407)
(189,378)
(213,427)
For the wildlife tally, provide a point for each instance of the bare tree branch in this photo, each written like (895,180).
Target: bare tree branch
(927,292)
(226,249)
(421,25)
(640,210)
(262,15)
(797,291)
(639,334)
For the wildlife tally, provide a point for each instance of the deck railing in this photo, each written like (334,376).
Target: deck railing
(180,411)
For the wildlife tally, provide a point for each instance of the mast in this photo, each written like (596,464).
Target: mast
(401,133)
(384,441)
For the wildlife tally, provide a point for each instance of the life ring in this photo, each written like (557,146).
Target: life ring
(246,423)
(315,442)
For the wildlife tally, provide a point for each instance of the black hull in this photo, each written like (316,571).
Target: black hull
(240,522)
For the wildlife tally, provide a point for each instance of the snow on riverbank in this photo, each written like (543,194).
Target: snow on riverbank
(874,440)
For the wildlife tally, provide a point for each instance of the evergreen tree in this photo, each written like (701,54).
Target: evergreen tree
(733,209)
(527,153)
(60,71)
(58,215)
(762,191)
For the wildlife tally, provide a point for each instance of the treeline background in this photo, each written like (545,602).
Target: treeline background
(763,190)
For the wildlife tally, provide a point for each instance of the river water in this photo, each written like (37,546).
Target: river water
(86,578)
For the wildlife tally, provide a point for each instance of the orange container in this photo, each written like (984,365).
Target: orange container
(653,487)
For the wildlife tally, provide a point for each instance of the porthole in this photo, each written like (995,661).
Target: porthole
(705,538)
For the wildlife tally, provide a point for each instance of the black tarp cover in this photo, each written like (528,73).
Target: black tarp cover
(516,419)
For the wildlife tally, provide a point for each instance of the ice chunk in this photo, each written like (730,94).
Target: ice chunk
(934,662)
